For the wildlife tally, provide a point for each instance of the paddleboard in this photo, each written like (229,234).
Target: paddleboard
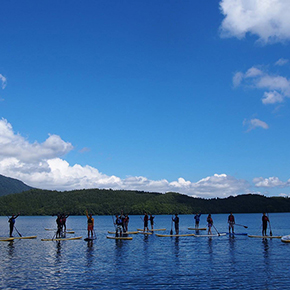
(214,235)
(25,238)
(286,239)
(62,239)
(119,238)
(69,232)
(6,239)
(182,235)
(125,233)
(198,229)
(265,237)
(56,230)
(154,230)
(145,233)
(237,234)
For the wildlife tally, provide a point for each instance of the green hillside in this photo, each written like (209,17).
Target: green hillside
(10,185)
(108,202)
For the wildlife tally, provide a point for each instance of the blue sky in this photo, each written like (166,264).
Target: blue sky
(185,96)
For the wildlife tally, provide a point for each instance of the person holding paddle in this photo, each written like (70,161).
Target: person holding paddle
(152,221)
(265,221)
(176,223)
(90,224)
(11,222)
(145,219)
(231,221)
(209,224)
(197,219)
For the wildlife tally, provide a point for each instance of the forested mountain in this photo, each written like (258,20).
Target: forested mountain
(10,185)
(109,202)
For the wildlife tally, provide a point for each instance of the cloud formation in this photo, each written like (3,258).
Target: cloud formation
(3,81)
(268,20)
(255,123)
(40,165)
(276,87)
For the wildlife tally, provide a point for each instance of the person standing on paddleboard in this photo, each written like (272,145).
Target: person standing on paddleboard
(265,221)
(152,221)
(209,224)
(231,221)
(176,223)
(90,224)
(145,219)
(119,225)
(197,219)
(11,222)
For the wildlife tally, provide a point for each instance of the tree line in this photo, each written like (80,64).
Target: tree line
(109,202)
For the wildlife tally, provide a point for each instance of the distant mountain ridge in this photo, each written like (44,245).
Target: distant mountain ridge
(10,185)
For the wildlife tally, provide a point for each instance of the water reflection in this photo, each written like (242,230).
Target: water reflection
(11,249)
(58,253)
(176,247)
(90,253)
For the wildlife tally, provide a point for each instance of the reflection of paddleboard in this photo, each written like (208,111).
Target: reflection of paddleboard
(124,233)
(89,239)
(182,235)
(265,237)
(197,229)
(215,235)
(154,230)
(62,239)
(120,238)
(286,239)
(29,237)
(6,239)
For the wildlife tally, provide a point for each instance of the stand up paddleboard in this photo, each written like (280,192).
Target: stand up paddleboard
(197,229)
(214,235)
(145,233)
(237,234)
(119,238)
(265,237)
(182,235)
(62,239)
(25,238)
(286,239)
(124,233)
(6,239)
(154,230)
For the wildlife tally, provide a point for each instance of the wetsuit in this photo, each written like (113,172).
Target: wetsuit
(11,224)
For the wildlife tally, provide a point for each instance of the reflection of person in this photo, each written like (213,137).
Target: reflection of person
(209,224)
(90,224)
(231,221)
(152,221)
(11,222)
(176,223)
(197,219)
(265,220)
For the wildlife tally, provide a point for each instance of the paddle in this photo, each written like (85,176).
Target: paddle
(241,226)
(271,234)
(216,230)
(17,232)
(171,231)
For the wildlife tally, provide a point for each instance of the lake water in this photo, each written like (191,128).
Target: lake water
(146,262)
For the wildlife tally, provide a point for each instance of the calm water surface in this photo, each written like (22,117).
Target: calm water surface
(146,262)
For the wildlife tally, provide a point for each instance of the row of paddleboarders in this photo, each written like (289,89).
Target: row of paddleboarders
(231,223)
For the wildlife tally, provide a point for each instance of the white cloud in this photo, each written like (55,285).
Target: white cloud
(255,123)
(39,165)
(272,98)
(267,19)
(269,182)
(3,81)
(276,87)
(281,62)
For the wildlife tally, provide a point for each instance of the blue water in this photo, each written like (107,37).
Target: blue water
(146,262)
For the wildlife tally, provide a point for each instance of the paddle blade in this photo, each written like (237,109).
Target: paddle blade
(271,234)
(171,232)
